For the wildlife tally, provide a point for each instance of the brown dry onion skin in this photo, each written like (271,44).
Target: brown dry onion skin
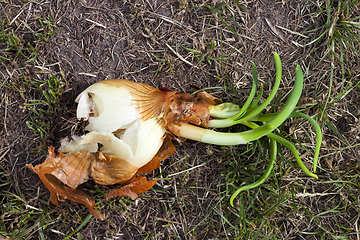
(73,171)
(57,190)
(106,168)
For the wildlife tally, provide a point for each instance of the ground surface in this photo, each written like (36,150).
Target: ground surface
(77,43)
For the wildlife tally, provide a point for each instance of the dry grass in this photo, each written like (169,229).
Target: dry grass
(51,51)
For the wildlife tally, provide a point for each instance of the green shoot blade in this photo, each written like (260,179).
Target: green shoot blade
(262,179)
(259,109)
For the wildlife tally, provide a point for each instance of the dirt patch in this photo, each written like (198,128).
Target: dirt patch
(88,41)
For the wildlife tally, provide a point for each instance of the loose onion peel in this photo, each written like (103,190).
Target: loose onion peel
(131,126)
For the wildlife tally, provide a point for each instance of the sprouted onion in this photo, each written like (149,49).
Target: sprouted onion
(131,126)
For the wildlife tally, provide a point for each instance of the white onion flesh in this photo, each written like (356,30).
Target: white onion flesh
(115,123)
(111,106)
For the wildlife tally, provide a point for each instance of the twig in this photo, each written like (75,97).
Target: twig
(275,30)
(313,194)
(88,74)
(12,21)
(168,221)
(296,33)
(25,203)
(97,24)
(170,20)
(181,57)
(174,174)
(1,157)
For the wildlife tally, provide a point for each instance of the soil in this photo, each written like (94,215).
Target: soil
(95,40)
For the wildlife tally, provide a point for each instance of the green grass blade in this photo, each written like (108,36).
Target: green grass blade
(81,225)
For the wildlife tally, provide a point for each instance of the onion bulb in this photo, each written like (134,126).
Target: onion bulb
(130,127)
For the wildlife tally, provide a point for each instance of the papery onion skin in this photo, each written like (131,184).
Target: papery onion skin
(112,169)
(45,172)
(131,122)
(104,169)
